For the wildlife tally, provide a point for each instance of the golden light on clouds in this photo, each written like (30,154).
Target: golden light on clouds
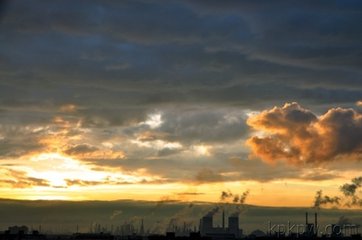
(56,169)
(204,150)
(157,144)
(153,120)
(73,161)
(296,135)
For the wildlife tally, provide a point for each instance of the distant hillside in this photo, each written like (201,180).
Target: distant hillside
(64,216)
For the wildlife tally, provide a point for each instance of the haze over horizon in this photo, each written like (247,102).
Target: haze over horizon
(64,217)
(182,100)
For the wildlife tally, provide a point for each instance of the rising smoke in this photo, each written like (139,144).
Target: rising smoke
(321,200)
(237,200)
(115,214)
(351,192)
(213,211)
(225,195)
(350,195)
(228,196)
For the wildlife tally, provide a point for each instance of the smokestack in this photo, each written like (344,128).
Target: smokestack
(142,230)
(306,218)
(223,219)
(315,224)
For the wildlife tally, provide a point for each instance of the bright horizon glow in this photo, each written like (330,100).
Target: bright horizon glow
(55,175)
(295,193)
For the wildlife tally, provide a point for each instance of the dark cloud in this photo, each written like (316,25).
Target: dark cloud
(3,7)
(80,149)
(18,140)
(97,70)
(317,176)
(168,151)
(201,125)
(130,57)
(312,34)
(208,175)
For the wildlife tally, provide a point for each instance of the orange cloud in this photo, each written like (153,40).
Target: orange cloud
(86,151)
(296,135)
(20,179)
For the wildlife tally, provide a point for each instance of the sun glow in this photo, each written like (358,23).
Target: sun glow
(56,169)
(154,120)
(202,150)
(77,167)
(61,171)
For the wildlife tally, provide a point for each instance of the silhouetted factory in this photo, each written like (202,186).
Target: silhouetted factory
(232,231)
(311,228)
(227,230)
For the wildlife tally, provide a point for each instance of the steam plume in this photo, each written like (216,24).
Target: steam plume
(323,200)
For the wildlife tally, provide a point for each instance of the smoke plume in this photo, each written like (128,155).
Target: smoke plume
(225,195)
(323,200)
(243,197)
(351,195)
(212,212)
(228,196)
(237,199)
(351,190)
(115,214)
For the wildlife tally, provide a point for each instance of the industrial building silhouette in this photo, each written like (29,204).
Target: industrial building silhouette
(232,231)
(229,230)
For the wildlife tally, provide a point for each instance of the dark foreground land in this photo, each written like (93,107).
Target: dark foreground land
(170,220)
(67,217)
(168,236)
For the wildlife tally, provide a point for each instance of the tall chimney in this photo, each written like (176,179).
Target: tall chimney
(306,218)
(142,229)
(315,224)
(223,219)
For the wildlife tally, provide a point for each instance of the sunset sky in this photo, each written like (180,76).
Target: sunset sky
(180,99)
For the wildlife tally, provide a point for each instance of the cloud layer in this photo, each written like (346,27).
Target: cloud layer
(162,89)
